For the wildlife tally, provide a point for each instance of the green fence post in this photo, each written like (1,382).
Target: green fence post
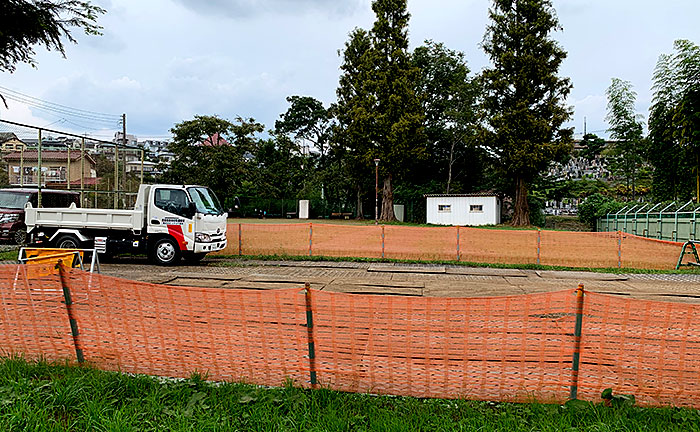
(240,240)
(619,249)
(69,308)
(578,328)
(382,241)
(457,242)
(660,231)
(310,335)
(311,236)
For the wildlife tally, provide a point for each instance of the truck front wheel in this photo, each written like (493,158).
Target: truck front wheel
(165,251)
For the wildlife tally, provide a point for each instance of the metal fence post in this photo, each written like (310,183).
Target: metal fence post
(577,342)
(458,243)
(383,241)
(69,308)
(310,335)
(240,240)
(311,235)
(539,243)
(619,249)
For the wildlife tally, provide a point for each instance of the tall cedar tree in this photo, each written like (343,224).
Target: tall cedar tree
(383,115)
(524,97)
(353,112)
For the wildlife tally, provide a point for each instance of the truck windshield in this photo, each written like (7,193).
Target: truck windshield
(205,200)
(13,200)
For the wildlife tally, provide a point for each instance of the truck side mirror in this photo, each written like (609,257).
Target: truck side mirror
(191,210)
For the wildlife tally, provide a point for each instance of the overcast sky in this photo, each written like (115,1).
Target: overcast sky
(163,61)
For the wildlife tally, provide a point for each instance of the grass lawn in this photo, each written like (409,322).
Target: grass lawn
(51,397)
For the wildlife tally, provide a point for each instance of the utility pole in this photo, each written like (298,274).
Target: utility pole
(376,190)
(116,162)
(38,168)
(82,170)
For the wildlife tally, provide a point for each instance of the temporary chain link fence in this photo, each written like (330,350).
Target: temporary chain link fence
(40,158)
(548,347)
(476,245)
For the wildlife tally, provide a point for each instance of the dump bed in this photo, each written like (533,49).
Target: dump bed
(79,218)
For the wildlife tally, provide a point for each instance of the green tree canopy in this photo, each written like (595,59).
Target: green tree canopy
(25,23)
(307,120)
(592,145)
(626,128)
(524,98)
(449,99)
(213,152)
(674,123)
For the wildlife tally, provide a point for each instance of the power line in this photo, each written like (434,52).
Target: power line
(58,108)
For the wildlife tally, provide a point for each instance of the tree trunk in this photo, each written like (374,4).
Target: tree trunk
(449,167)
(360,213)
(387,201)
(521,215)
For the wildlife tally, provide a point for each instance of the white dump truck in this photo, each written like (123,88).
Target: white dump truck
(168,222)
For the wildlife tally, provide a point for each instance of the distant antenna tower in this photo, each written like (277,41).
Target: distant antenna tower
(584,126)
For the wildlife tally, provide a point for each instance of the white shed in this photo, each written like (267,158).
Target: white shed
(463,209)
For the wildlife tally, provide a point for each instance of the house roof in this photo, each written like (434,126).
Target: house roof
(7,136)
(48,155)
(475,194)
(215,140)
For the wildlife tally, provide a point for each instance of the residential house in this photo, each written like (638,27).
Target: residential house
(10,142)
(57,167)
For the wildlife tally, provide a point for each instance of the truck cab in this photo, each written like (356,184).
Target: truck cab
(182,220)
(168,222)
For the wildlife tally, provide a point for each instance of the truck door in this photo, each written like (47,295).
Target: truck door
(170,214)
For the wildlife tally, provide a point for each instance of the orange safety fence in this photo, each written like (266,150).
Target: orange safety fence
(556,248)
(514,348)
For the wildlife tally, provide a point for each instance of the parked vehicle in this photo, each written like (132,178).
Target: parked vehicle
(12,202)
(168,222)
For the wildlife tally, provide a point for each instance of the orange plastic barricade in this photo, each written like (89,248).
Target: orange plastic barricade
(479,245)
(33,320)
(70,257)
(43,261)
(650,349)
(511,348)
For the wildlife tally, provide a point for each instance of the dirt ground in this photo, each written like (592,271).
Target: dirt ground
(401,279)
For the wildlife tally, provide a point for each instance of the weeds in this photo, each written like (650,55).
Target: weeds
(55,397)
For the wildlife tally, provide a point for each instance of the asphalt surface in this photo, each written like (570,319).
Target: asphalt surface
(403,279)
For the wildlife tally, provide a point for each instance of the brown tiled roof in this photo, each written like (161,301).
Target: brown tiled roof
(48,155)
(215,140)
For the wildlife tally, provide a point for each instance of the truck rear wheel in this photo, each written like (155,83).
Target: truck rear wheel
(165,251)
(67,241)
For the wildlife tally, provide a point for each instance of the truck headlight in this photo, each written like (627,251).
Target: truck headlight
(202,238)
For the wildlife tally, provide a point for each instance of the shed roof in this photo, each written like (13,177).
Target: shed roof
(475,194)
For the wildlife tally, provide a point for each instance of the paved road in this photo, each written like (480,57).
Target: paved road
(413,280)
